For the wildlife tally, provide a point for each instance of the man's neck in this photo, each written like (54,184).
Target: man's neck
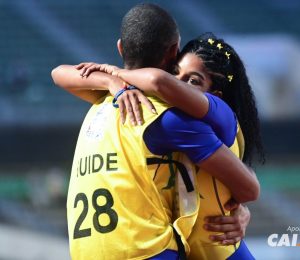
(162,67)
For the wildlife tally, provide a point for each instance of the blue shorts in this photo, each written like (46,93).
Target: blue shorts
(242,253)
(166,255)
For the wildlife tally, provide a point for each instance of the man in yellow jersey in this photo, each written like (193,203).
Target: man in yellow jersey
(114,208)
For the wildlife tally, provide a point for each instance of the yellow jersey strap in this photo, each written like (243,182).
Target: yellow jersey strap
(180,166)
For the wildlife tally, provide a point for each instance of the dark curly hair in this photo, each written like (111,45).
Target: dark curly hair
(229,76)
(147,31)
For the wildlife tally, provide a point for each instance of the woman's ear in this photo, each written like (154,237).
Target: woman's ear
(120,47)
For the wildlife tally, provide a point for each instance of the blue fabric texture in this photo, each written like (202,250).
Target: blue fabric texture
(242,253)
(175,131)
(222,119)
(166,255)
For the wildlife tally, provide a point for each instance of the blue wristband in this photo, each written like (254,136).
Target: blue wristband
(130,87)
(120,92)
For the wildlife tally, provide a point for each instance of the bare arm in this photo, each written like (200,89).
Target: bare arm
(164,85)
(89,89)
(235,175)
(96,85)
(159,83)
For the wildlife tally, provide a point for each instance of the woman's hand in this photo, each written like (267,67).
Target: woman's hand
(87,68)
(129,104)
(233,227)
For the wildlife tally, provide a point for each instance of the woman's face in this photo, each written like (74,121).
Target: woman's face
(192,71)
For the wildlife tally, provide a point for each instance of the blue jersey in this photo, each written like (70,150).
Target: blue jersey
(175,131)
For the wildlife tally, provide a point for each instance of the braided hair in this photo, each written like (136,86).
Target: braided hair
(229,76)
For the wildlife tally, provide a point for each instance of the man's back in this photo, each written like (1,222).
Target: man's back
(114,208)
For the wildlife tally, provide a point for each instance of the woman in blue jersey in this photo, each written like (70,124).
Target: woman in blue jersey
(211,65)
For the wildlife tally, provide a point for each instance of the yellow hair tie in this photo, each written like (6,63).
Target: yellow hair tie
(219,45)
(230,78)
(227,54)
(210,41)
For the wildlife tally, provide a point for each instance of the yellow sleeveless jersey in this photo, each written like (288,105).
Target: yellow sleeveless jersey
(175,179)
(114,207)
(213,195)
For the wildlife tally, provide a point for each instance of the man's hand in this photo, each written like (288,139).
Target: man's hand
(233,227)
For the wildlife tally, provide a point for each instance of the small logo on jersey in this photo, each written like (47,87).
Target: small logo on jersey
(291,239)
(96,127)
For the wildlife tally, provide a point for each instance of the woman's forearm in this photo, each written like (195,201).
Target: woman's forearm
(236,176)
(87,88)
(165,86)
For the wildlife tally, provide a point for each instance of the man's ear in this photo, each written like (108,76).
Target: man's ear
(170,57)
(120,47)
(173,51)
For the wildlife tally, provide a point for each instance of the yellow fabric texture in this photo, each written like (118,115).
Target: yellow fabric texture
(210,191)
(114,207)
